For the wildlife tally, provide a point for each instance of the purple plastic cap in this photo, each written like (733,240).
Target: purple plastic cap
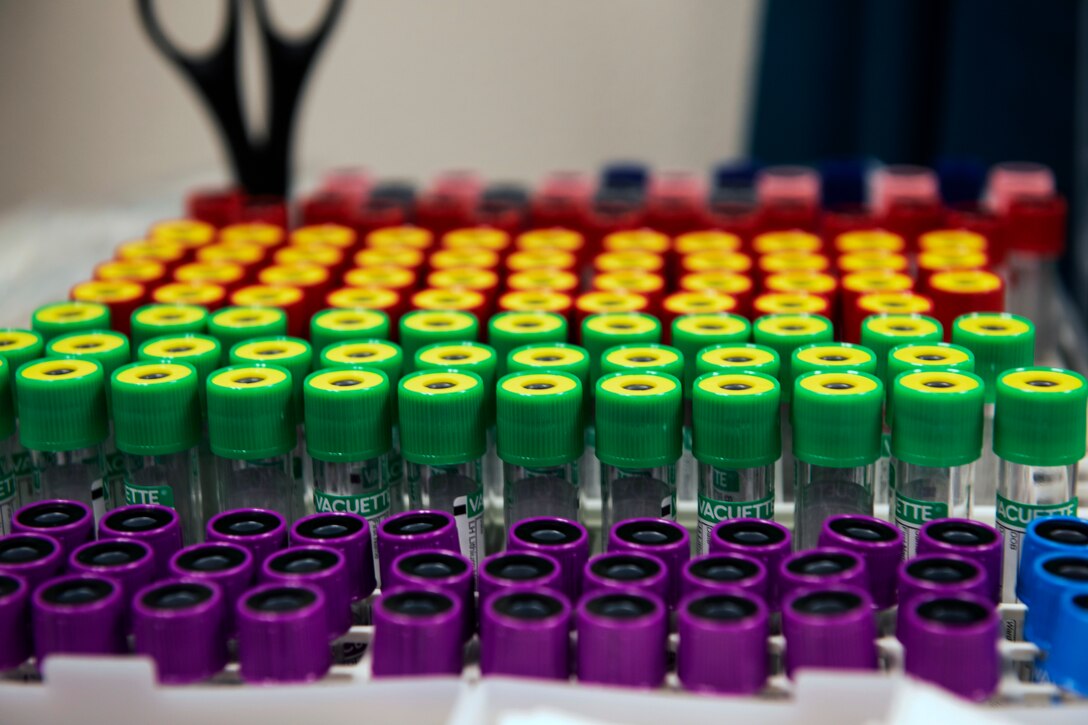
(723,642)
(414,530)
(179,623)
(829,628)
(259,530)
(447,571)
(711,573)
(625,570)
(157,526)
(969,539)
(79,614)
(228,565)
(622,637)
(34,557)
(944,574)
(951,641)
(527,634)
(821,567)
(350,535)
(767,541)
(667,540)
(282,635)
(519,570)
(877,542)
(320,567)
(417,631)
(69,522)
(567,541)
(129,562)
(14,621)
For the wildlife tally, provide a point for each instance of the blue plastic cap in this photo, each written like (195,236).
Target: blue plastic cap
(625,175)
(1052,534)
(1067,662)
(1041,588)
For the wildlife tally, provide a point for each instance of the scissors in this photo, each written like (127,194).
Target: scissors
(261,165)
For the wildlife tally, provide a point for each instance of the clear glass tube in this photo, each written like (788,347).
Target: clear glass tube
(394,470)
(458,490)
(209,489)
(356,487)
(262,483)
(302,469)
(1032,280)
(494,491)
(925,493)
(25,480)
(732,493)
(10,496)
(824,491)
(984,488)
(75,475)
(172,480)
(631,493)
(528,492)
(590,471)
(883,494)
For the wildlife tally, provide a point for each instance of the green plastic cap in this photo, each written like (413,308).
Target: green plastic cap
(732,358)
(832,357)
(929,356)
(643,358)
(7,400)
(1039,416)
(249,412)
(937,417)
(349,414)
(371,354)
(231,325)
(109,348)
(442,417)
(881,332)
(639,419)
(151,321)
(291,353)
(156,408)
(608,329)
(555,356)
(473,357)
(428,327)
(691,334)
(509,330)
(62,404)
(837,418)
(539,419)
(1000,342)
(60,318)
(19,346)
(735,419)
(340,324)
(201,351)
(784,333)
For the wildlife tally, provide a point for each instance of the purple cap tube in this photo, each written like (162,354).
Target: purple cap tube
(970,539)
(877,542)
(320,567)
(519,570)
(711,573)
(71,523)
(259,530)
(820,568)
(228,565)
(944,574)
(625,570)
(14,621)
(157,526)
(622,638)
(129,562)
(350,535)
(33,557)
(527,634)
(179,623)
(79,614)
(417,632)
(723,642)
(282,635)
(951,641)
(1041,588)
(566,541)
(830,628)
(767,541)
(447,571)
(414,530)
(667,540)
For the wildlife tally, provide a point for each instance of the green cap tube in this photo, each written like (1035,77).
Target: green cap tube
(200,351)
(691,334)
(358,354)
(107,347)
(1000,341)
(249,412)
(7,400)
(509,330)
(473,357)
(929,356)
(881,332)
(60,318)
(643,358)
(442,417)
(427,327)
(17,347)
(232,325)
(156,408)
(735,358)
(62,404)
(837,418)
(1039,416)
(339,324)
(784,333)
(608,329)
(831,357)
(151,321)
(735,419)
(937,417)
(539,419)
(349,414)
(556,356)
(290,353)
(639,419)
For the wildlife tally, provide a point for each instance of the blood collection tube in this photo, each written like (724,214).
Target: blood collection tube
(788,196)
(723,647)
(722,573)
(928,574)
(621,638)
(1035,229)
(417,632)
(536,301)
(565,541)
(544,280)
(816,284)
(691,334)
(829,628)
(823,566)
(960,292)
(120,297)
(885,303)
(967,539)
(625,570)
(68,522)
(145,272)
(651,286)
(321,567)
(414,531)
(789,303)
(14,616)
(1053,535)
(289,300)
(589,304)
(527,634)
(509,330)
(189,233)
(427,327)
(225,564)
(281,634)
(858,284)
(250,257)
(767,541)
(605,330)
(168,254)
(1041,586)
(352,536)
(180,624)
(260,531)
(446,571)
(268,236)
(311,280)
(716,261)
(342,325)
(940,632)
(737,286)
(34,557)
(326,235)
(229,276)
(882,332)
(382,300)
(60,318)
(628,261)
(332,259)
(1065,661)
(482,281)
(665,540)
(157,320)
(157,526)
(527,260)
(11,488)
(78,614)
(209,296)
(130,562)
(643,357)
(736,358)
(518,570)
(401,280)
(929,356)
(879,543)
(200,351)
(683,303)
(232,325)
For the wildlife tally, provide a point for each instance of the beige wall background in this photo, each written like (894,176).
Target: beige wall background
(92,114)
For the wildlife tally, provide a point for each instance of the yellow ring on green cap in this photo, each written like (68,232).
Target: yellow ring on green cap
(178,347)
(901,326)
(260,294)
(993,325)
(16,340)
(61,369)
(437,320)
(333,380)
(818,383)
(915,355)
(549,356)
(246,378)
(1027,381)
(452,382)
(948,382)
(170,314)
(525,321)
(88,343)
(359,353)
(710,325)
(456,355)
(348,320)
(153,374)
(739,356)
(269,349)
(374,297)
(638,385)
(519,384)
(621,324)
(627,356)
(791,325)
(819,355)
(250,317)
(752,384)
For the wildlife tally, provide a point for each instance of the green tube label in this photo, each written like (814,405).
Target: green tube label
(161,495)
(1013,518)
(911,513)
(469,513)
(7,502)
(372,506)
(712,511)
